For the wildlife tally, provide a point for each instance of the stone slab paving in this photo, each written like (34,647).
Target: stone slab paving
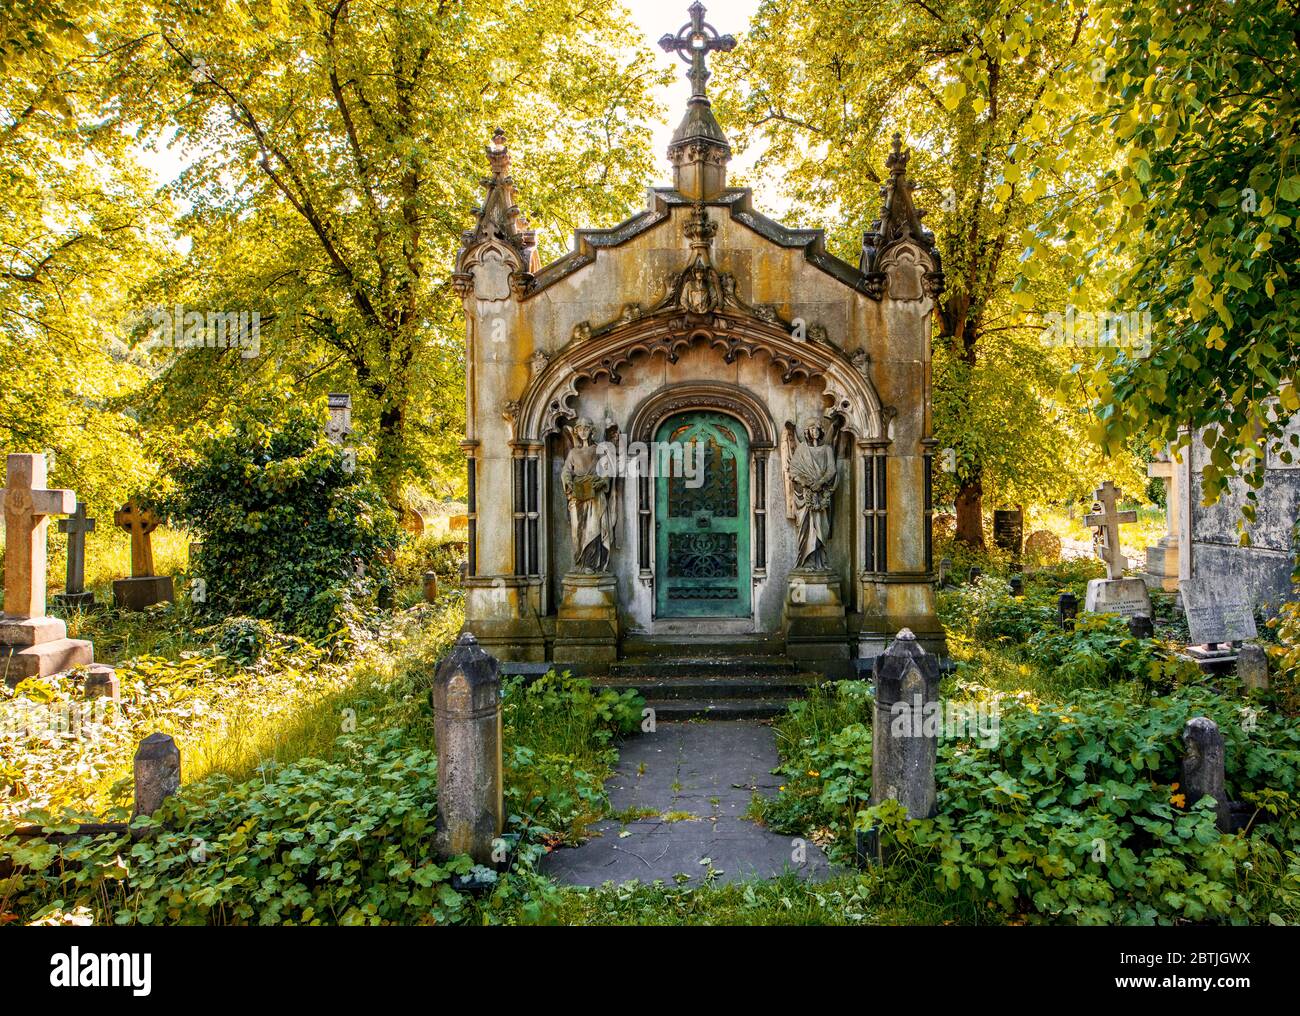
(699,779)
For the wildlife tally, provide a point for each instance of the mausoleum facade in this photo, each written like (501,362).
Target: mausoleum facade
(698,423)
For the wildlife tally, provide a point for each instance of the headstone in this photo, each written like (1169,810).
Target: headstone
(1067,609)
(1141,627)
(1218,612)
(1017,585)
(157,772)
(974,574)
(1252,667)
(74,589)
(945,568)
(467,731)
(32,644)
(1043,546)
(144,588)
(430,587)
(905,733)
(1203,768)
(1162,557)
(1009,529)
(412,521)
(1113,594)
(339,425)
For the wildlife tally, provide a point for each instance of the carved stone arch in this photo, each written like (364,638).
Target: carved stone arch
(713,395)
(602,353)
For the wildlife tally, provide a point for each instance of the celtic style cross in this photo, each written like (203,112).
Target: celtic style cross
(693,42)
(140,523)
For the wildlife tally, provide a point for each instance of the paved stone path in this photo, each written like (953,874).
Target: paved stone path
(699,779)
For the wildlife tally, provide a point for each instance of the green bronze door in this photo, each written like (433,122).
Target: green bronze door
(702,517)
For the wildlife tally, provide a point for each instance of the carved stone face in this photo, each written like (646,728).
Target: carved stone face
(583,431)
(813,432)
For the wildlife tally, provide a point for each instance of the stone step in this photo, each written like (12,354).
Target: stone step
(700,666)
(719,709)
(718,646)
(715,686)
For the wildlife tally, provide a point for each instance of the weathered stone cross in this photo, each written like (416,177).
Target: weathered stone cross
(693,42)
(139,522)
(1107,522)
(26,506)
(76,529)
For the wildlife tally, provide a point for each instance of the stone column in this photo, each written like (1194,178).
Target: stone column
(1162,557)
(157,772)
(467,728)
(1203,768)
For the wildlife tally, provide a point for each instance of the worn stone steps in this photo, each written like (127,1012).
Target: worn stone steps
(718,709)
(713,647)
(715,686)
(652,667)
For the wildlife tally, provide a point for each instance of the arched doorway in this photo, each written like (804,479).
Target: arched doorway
(702,516)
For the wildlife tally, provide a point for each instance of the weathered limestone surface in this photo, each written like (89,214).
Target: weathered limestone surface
(1203,767)
(31,644)
(467,729)
(904,735)
(1209,538)
(157,772)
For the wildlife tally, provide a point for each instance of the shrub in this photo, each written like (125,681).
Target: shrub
(285,521)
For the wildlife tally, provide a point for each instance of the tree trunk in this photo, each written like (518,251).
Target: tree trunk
(970,512)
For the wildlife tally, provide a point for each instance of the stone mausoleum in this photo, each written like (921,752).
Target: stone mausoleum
(698,427)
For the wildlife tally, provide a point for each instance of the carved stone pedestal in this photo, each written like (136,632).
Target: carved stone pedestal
(143,591)
(586,630)
(1162,566)
(38,647)
(815,625)
(1125,597)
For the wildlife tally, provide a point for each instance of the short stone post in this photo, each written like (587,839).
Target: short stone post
(1203,768)
(467,728)
(905,731)
(430,587)
(157,772)
(1017,585)
(102,682)
(1067,609)
(1252,667)
(1141,627)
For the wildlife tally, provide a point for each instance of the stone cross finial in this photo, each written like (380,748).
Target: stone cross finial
(76,529)
(26,506)
(140,523)
(1107,523)
(693,42)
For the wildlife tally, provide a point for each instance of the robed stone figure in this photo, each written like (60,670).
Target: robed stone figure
(810,480)
(588,481)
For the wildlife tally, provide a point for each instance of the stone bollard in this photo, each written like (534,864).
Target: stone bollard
(1141,627)
(905,731)
(1067,609)
(102,682)
(1252,667)
(430,587)
(467,728)
(157,772)
(1203,768)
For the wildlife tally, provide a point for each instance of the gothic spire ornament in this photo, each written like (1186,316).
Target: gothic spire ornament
(699,150)
(499,255)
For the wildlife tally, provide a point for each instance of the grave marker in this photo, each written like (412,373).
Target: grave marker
(144,588)
(1009,530)
(1114,594)
(74,590)
(32,644)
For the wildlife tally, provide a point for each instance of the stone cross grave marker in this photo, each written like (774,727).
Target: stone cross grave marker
(143,588)
(27,504)
(1114,594)
(31,644)
(76,527)
(1107,522)
(1217,612)
(140,523)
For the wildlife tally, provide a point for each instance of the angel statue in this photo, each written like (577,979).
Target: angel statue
(810,479)
(588,481)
